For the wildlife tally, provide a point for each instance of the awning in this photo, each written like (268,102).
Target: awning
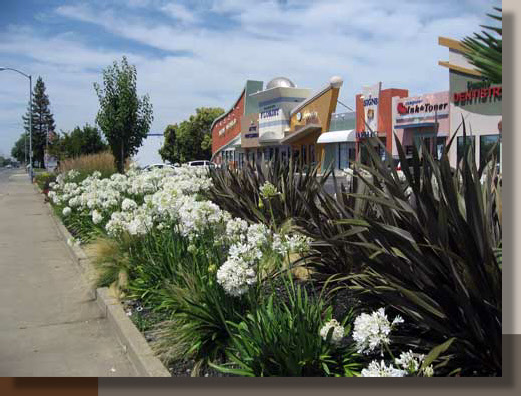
(348,135)
(300,133)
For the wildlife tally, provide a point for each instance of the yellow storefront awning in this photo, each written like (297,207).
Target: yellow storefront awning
(300,133)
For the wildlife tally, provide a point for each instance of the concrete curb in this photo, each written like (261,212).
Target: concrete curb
(134,344)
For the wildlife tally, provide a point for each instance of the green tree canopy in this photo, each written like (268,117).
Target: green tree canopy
(42,121)
(191,139)
(485,50)
(18,151)
(123,117)
(80,141)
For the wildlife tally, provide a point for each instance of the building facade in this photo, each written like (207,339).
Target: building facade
(374,118)
(308,120)
(263,129)
(420,119)
(226,129)
(339,142)
(476,101)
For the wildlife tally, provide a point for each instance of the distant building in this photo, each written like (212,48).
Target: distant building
(226,129)
(475,100)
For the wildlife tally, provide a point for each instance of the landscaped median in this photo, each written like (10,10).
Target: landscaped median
(260,272)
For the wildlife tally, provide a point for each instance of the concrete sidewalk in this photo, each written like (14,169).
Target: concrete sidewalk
(50,324)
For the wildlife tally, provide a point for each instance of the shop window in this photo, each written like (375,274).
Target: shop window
(352,155)
(486,143)
(463,143)
(342,156)
(304,158)
(312,153)
(440,146)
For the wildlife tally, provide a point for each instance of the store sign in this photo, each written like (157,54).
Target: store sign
(370,102)
(473,94)
(251,135)
(310,116)
(364,135)
(418,107)
(228,126)
(269,113)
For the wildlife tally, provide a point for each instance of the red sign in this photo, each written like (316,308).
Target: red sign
(481,93)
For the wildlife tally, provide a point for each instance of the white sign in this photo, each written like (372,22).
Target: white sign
(371,96)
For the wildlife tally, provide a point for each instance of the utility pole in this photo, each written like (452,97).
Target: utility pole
(30,117)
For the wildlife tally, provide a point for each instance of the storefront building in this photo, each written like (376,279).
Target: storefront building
(226,129)
(420,119)
(339,142)
(374,118)
(263,129)
(308,121)
(475,100)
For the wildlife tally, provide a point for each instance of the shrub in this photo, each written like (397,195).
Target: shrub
(87,164)
(431,256)
(239,191)
(200,307)
(282,337)
(43,180)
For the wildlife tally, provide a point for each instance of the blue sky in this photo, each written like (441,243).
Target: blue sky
(191,54)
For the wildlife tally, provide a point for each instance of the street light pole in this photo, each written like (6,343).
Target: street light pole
(30,117)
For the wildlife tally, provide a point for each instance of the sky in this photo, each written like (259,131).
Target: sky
(191,54)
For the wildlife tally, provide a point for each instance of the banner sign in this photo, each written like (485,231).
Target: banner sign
(371,96)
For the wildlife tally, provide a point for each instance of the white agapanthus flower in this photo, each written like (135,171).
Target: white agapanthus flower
(338,331)
(372,330)
(128,205)
(236,276)
(268,190)
(73,242)
(236,229)
(66,211)
(257,234)
(96,217)
(428,371)
(376,369)
(409,361)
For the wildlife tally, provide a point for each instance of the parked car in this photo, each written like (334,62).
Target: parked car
(157,166)
(204,163)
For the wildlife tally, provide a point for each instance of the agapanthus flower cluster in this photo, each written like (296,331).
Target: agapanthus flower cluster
(238,272)
(336,335)
(372,330)
(376,369)
(411,362)
(143,199)
(294,243)
(268,190)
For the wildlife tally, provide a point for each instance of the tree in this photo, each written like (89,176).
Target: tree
(42,121)
(19,149)
(485,50)
(192,138)
(169,150)
(80,141)
(123,117)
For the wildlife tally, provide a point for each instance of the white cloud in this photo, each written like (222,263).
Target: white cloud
(307,41)
(180,12)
